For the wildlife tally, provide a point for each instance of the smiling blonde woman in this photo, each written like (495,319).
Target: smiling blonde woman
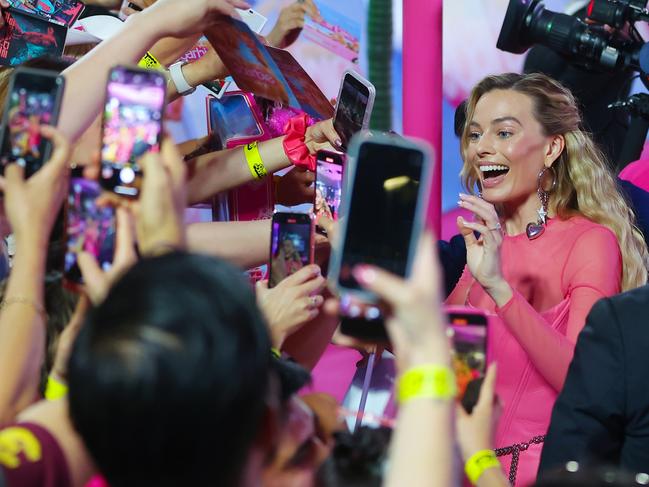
(555,235)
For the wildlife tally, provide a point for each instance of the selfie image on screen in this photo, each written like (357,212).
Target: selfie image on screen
(27,111)
(232,118)
(132,118)
(91,228)
(328,189)
(351,109)
(289,250)
(469,357)
(382,210)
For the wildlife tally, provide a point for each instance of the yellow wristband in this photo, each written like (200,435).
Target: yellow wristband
(478,463)
(55,389)
(256,165)
(275,352)
(150,62)
(430,381)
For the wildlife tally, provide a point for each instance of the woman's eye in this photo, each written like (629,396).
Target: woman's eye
(474,136)
(504,134)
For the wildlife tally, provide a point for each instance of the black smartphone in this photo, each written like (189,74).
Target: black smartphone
(385,197)
(132,126)
(291,245)
(328,183)
(90,228)
(34,99)
(353,106)
(467,328)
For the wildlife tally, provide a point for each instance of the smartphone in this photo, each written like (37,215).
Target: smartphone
(252,19)
(467,328)
(353,106)
(385,197)
(235,119)
(90,228)
(34,99)
(291,245)
(132,126)
(328,183)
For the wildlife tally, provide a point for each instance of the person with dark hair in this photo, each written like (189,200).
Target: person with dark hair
(358,459)
(158,365)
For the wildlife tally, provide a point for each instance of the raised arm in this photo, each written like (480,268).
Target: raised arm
(166,18)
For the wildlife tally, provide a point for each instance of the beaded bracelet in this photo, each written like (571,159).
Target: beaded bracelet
(429,381)
(479,462)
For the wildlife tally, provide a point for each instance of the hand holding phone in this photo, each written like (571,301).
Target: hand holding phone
(34,99)
(291,245)
(132,126)
(382,214)
(90,228)
(354,106)
(328,184)
(467,328)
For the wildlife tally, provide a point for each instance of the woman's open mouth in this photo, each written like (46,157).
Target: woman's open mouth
(493,174)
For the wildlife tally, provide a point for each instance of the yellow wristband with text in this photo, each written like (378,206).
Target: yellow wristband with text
(478,463)
(55,389)
(255,164)
(429,381)
(150,62)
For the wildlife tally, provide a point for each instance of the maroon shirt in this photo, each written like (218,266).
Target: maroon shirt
(31,457)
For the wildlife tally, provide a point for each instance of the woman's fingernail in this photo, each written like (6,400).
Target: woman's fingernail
(364,274)
(339,142)
(460,203)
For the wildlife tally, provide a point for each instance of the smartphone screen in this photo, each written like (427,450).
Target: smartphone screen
(328,183)
(132,126)
(90,228)
(291,245)
(382,212)
(468,332)
(34,99)
(351,108)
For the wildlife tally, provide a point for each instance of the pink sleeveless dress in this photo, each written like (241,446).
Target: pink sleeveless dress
(556,280)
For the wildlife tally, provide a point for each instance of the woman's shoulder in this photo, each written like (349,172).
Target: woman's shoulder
(579,227)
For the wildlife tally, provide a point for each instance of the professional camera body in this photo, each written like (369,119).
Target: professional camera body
(607,39)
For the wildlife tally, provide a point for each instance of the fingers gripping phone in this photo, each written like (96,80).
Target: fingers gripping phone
(385,197)
(132,126)
(467,328)
(353,106)
(291,245)
(90,228)
(328,183)
(34,99)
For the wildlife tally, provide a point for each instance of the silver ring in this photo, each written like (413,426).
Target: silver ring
(497,227)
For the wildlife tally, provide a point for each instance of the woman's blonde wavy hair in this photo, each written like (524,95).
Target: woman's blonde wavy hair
(585,184)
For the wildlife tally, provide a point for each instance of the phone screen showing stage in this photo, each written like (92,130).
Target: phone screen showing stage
(90,228)
(31,103)
(469,337)
(328,187)
(350,112)
(290,246)
(132,126)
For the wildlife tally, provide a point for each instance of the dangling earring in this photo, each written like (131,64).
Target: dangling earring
(535,230)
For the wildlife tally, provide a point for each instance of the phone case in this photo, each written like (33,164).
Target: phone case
(311,238)
(349,176)
(370,99)
(60,82)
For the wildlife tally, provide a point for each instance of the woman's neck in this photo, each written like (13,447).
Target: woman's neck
(516,215)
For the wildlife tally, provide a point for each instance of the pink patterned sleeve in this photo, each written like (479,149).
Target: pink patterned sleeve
(592,271)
